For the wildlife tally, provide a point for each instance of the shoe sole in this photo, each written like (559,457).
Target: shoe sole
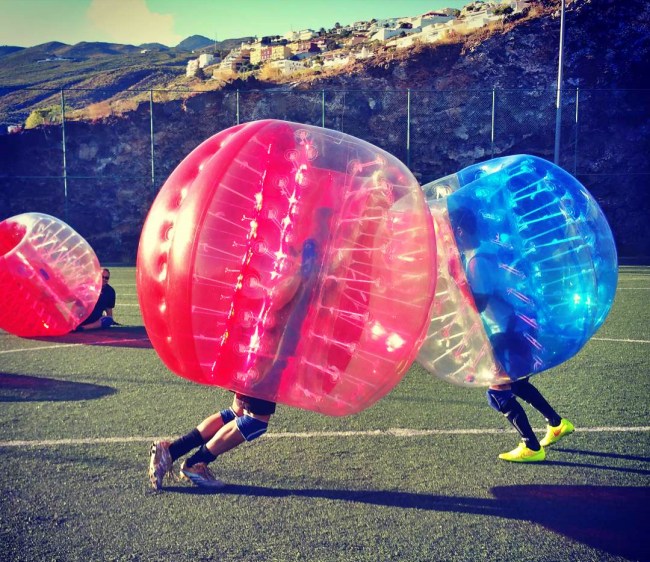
(529,459)
(200,482)
(156,483)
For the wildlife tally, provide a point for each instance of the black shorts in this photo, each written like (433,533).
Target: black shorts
(255,405)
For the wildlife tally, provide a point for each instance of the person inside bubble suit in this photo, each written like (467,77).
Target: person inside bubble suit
(481,259)
(248,417)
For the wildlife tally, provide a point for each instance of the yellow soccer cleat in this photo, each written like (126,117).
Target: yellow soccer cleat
(554,434)
(523,454)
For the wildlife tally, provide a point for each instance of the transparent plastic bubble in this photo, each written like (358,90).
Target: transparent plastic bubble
(50,278)
(277,261)
(527,270)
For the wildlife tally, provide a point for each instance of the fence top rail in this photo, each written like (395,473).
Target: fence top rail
(12,88)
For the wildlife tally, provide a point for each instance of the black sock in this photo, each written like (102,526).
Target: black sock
(202,455)
(526,391)
(185,444)
(517,417)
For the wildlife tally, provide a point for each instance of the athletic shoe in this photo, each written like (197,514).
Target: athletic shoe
(107,322)
(160,463)
(554,434)
(523,454)
(200,475)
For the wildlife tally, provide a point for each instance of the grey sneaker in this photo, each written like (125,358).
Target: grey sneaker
(200,475)
(160,463)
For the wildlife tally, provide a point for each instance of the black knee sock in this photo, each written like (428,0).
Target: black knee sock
(526,391)
(517,417)
(202,455)
(185,444)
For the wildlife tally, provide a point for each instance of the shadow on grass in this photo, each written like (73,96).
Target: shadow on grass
(115,336)
(605,455)
(24,388)
(608,518)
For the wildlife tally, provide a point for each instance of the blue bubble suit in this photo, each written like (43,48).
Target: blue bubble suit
(538,261)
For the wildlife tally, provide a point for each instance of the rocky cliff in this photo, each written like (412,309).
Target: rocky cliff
(437,108)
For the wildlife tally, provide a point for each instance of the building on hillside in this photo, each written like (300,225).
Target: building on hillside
(255,53)
(385,33)
(279,52)
(322,44)
(192,68)
(430,34)
(302,47)
(356,39)
(437,31)
(364,53)
(302,35)
(261,55)
(430,18)
(361,26)
(206,59)
(388,22)
(448,11)
(336,59)
(235,59)
(516,5)
(304,50)
(307,34)
(286,66)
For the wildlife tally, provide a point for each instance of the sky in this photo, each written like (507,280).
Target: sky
(26,23)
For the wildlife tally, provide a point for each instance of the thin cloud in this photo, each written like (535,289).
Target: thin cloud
(131,22)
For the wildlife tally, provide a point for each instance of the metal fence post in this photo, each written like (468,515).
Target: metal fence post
(323,109)
(153,169)
(237,108)
(494,101)
(65,162)
(408,128)
(558,99)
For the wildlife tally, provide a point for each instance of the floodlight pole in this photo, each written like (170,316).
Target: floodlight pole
(65,159)
(558,99)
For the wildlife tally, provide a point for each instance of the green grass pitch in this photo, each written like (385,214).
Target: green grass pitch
(414,477)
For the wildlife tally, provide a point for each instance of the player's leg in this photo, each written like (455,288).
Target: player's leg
(557,427)
(502,399)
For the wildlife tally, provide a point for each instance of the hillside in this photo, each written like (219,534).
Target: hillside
(453,88)
(114,71)
(8,49)
(33,77)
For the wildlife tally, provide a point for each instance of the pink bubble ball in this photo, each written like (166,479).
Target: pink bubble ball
(50,277)
(290,263)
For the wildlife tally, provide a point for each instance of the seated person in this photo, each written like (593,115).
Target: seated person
(102,314)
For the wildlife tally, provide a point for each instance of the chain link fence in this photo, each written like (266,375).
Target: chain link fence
(59,167)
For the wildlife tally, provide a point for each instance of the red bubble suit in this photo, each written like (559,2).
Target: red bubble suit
(291,263)
(50,278)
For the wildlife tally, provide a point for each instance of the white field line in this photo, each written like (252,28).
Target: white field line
(392,432)
(58,345)
(621,340)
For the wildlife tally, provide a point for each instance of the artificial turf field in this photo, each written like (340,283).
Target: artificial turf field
(414,477)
